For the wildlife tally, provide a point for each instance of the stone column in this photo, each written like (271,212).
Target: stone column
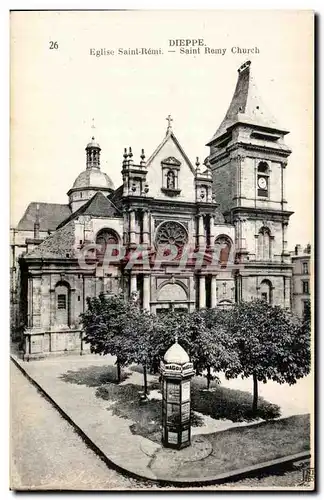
(202,292)
(283,182)
(287,292)
(213,292)
(37,299)
(125,227)
(133,283)
(52,307)
(72,315)
(30,302)
(146,291)
(201,231)
(132,227)
(146,230)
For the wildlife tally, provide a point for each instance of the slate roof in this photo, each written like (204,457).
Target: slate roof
(50,216)
(116,197)
(58,245)
(93,177)
(98,206)
(246,105)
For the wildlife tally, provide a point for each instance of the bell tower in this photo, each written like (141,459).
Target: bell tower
(248,159)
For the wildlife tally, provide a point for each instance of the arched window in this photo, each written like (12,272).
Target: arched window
(171,235)
(171,180)
(263,179)
(223,247)
(266,291)
(62,303)
(264,244)
(104,239)
(263,168)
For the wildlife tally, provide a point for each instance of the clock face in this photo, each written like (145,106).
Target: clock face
(262,183)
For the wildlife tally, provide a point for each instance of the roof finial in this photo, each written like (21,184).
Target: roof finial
(169,120)
(244,66)
(176,338)
(93,129)
(130,156)
(197,165)
(125,155)
(142,163)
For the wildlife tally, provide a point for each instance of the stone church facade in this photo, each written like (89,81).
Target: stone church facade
(174,235)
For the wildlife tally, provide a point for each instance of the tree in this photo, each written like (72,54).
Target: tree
(167,327)
(138,333)
(119,327)
(104,323)
(211,346)
(270,342)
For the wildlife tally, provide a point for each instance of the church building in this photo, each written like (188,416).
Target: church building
(175,234)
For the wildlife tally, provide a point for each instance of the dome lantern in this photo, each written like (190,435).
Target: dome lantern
(93,154)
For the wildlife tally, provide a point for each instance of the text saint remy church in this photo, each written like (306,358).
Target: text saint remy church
(233,205)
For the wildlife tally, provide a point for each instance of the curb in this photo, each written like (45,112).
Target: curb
(235,475)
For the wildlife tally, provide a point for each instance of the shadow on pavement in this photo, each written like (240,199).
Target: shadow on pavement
(94,376)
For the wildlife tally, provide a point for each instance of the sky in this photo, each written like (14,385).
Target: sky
(55,93)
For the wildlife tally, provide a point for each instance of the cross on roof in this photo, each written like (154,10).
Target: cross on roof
(169,119)
(93,124)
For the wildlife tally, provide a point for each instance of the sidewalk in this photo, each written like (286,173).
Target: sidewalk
(76,385)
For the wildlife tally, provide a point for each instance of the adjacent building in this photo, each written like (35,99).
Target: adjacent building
(301,286)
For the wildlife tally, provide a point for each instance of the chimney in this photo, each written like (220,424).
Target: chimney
(36,224)
(297,249)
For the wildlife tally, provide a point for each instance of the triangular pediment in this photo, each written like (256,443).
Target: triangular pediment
(168,139)
(171,161)
(169,155)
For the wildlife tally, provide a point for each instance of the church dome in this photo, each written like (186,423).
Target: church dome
(93,178)
(176,354)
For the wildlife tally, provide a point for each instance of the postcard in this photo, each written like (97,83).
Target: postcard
(161,244)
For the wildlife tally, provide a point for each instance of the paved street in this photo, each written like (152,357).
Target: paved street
(47,452)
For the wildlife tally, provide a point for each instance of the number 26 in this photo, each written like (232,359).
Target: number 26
(53,45)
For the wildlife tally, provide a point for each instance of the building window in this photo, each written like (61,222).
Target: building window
(305,267)
(306,286)
(61,301)
(266,291)
(63,309)
(264,244)
(222,249)
(106,241)
(263,179)
(171,237)
(306,309)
